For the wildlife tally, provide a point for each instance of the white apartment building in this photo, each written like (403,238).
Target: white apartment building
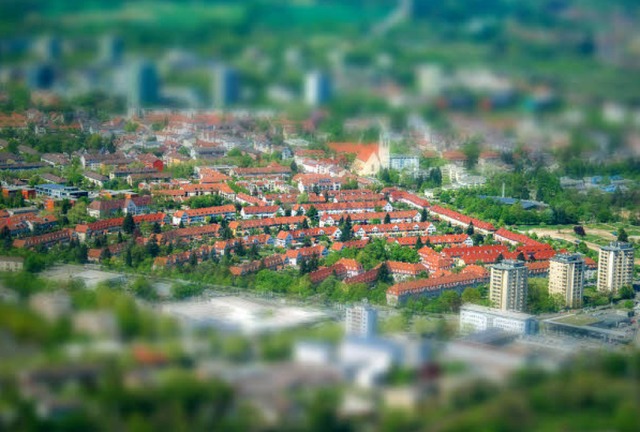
(566,278)
(508,286)
(476,318)
(361,321)
(615,266)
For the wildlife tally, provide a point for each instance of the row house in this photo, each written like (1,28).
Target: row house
(222,189)
(180,258)
(133,205)
(208,151)
(155,177)
(506,236)
(364,218)
(318,182)
(101,227)
(410,199)
(291,222)
(395,230)
(471,276)
(345,207)
(123,173)
(94,254)
(172,158)
(368,277)
(56,159)
(462,220)
(332,232)
(261,212)
(191,216)
(354,195)
(96,161)
(295,256)
(487,254)
(63,236)
(351,244)
(538,269)
(189,233)
(284,239)
(435,240)
(224,247)
(211,175)
(281,199)
(273,262)
(259,239)
(151,161)
(112,225)
(16,227)
(95,178)
(351,267)
(274,169)
(323,273)
(246,199)
(401,270)
(26,223)
(435,261)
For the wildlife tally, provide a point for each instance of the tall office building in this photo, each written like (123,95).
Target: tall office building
(49,48)
(111,49)
(508,286)
(144,84)
(566,278)
(226,87)
(615,266)
(430,80)
(361,321)
(41,76)
(317,88)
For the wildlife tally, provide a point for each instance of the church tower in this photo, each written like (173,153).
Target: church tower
(384,150)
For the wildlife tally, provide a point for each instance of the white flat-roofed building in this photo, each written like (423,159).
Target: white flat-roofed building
(361,321)
(615,266)
(508,285)
(476,318)
(566,278)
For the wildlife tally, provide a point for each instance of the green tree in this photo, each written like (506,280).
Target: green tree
(105,255)
(472,295)
(346,229)
(626,292)
(128,258)
(384,275)
(128,224)
(622,235)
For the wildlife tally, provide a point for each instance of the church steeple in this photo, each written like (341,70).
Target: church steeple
(384,149)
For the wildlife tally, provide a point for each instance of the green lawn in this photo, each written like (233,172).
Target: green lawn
(579,320)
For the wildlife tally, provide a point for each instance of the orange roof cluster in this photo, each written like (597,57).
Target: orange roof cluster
(468,277)
(408,197)
(462,218)
(206,211)
(362,151)
(345,206)
(400,227)
(403,268)
(267,222)
(515,237)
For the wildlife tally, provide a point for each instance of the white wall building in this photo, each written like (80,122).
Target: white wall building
(361,321)
(475,318)
(508,286)
(615,266)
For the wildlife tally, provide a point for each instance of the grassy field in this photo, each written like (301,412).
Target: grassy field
(579,320)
